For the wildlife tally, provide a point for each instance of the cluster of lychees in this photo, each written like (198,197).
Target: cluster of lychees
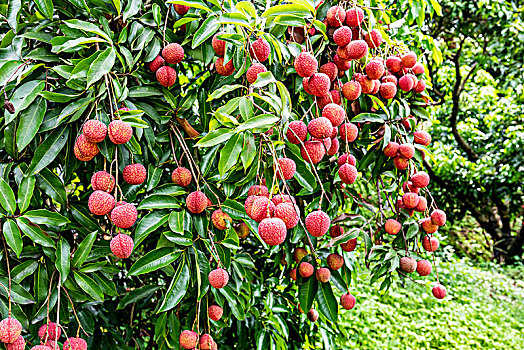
(171,54)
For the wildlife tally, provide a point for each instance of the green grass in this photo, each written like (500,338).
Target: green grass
(484,309)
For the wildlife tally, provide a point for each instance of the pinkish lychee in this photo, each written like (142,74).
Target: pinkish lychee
(312,151)
(253,71)
(351,90)
(166,76)
(260,49)
(272,231)
(306,64)
(392,226)
(218,278)
(134,174)
(94,130)
(348,132)
(347,301)
(124,215)
(317,223)
(119,132)
(196,202)
(100,203)
(181,176)
(122,246)
(335,261)
(103,181)
(296,132)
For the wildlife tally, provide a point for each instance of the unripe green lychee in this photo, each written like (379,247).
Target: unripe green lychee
(134,174)
(218,278)
(219,219)
(218,45)
(188,339)
(288,213)
(224,69)
(439,291)
(438,217)
(336,16)
(305,269)
(296,132)
(103,181)
(94,130)
(272,231)
(305,64)
(347,301)
(215,312)
(100,203)
(260,49)
(181,176)
(196,202)
(408,264)
(349,246)
(10,330)
(166,76)
(354,16)
(430,244)
(312,151)
(122,246)
(347,173)
(392,226)
(423,267)
(317,223)
(155,64)
(119,132)
(124,215)
(348,132)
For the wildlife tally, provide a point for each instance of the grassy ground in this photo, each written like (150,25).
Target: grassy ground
(484,309)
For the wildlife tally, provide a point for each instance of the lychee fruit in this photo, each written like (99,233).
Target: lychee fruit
(287,168)
(155,64)
(332,97)
(394,64)
(388,90)
(422,138)
(86,148)
(206,342)
(10,330)
(422,204)
(366,84)
(305,85)
(196,202)
(420,86)
(306,64)
(330,69)
(409,59)
(336,16)
(219,219)
(428,226)
(215,312)
(296,132)
(342,36)
(418,68)
(312,315)
(218,278)
(134,174)
(317,223)
(390,79)
(347,158)
(354,17)
(430,244)
(347,301)
(224,69)
(124,215)
(218,45)
(242,230)
(406,83)
(357,49)
(18,344)
(283,198)
(119,132)
(293,274)
(336,231)
(319,84)
(173,53)
(306,269)
(347,173)
(248,204)
(100,203)
(335,261)
(391,149)
(334,113)
(258,190)
(253,71)
(342,65)
(401,163)
(288,213)
(299,254)
(166,76)
(420,179)
(375,69)
(349,246)
(439,291)
(423,267)
(407,150)
(94,130)
(392,226)
(262,208)
(351,90)
(79,154)
(373,38)
(75,344)
(312,151)
(260,49)
(181,176)
(335,145)
(408,264)
(323,274)
(188,339)
(122,246)
(376,87)
(181,9)
(348,132)
(41,347)
(410,200)
(103,181)
(438,217)
(272,231)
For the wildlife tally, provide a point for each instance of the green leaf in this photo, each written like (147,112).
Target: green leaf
(215,137)
(25,192)
(247,7)
(51,184)
(7,197)
(89,286)
(87,27)
(159,202)
(46,217)
(249,150)
(207,28)
(290,9)
(132,8)
(18,293)
(139,294)
(307,292)
(45,7)
(154,260)
(84,249)
(74,107)
(107,286)
(12,236)
(222,91)
(12,15)
(235,305)
(62,260)
(34,232)
(118,7)
(101,66)
(177,289)
(327,302)
(176,221)
(48,150)
(23,270)
(367,117)
(150,223)
(23,97)
(234,209)
(264,120)
(230,153)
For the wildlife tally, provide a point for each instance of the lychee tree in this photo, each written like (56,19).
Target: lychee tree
(209,174)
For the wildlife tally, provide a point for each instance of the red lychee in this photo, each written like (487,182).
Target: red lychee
(348,132)
(347,158)
(188,339)
(428,226)
(376,87)
(334,113)
(335,261)
(306,64)
(119,132)
(420,179)
(418,68)
(388,90)
(10,330)
(258,190)
(181,9)
(262,208)
(218,45)
(224,69)
(260,49)
(342,65)
(423,267)
(336,16)
(49,331)
(181,176)
(335,145)
(155,64)
(253,71)
(312,151)
(408,264)
(79,154)
(342,36)
(166,76)
(409,59)
(272,231)
(75,344)
(349,246)
(394,64)
(248,204)
(351,90)
(375,69)
(312,315)
(438,217)
(354,17)
(439,291)
(100,203)
(357,49)
(219,219)
(323,274)
(122,246)
(18,344)
(390,79)
(173,53)
(420,86)
(392,226)
(196,202)
(306,269)
(330,69)
(215,312)
(422,204)
(430,244)
(124,216)
(102,181)
(288,213)
(206,342)
(293,274)
(94,130)
(422,137)
(410,200)
(299,254)
(287,168)
(347,173)
(347,301)
(305,85)
(373,39)
(218,278)
(41,347)
(86,148)
(296,132)
(405,83)
(391,149)
(336,231)
(317,223)
(319,84)
(283,198)
(406,150)
(134,174)
(332,97)
(367,85)
(401,163)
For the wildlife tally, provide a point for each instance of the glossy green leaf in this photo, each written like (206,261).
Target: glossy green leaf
(84,249)
(7,197)
(177,289)
(154,260)
(12,236)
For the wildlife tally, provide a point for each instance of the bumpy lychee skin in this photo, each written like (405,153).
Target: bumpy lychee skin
(287,168)
(49,331)
(330,69)
(215,312)
(349,246)
(219,219)
(438,217)
(181,176)
(119,132)
(196,202)
(410,200)
(306,64)
(376,87)
(218,278)
(124,216)
(86,148)
(305,269)
(342,65)
(347,301)
(248,204)
(262,208)
(75,344)
(375,69)
(173,53)
(420,86)
(103,181)
(407,150)
(347,173)
(293,274)
(409,59)
(394,64)
(390,79)
(79,154)
(430,244)
(18,344)
(335,145)
(422,204)
(312,151)
(347,158)
(392,226)
(224,69)
(312,315)
(272,231)
(351,90)
(336,16)
(181,9)
(166,76)
(332,97)
(260,49)
(401,163)
(155,64)
(373,39)
(388,90)
(408,264)
(423,268)
(258,190)
(323,274)
(439,291)
(305,85)
(391,149)
(335,261)
(348,132)
(319,84)
(10,330)
(334,113)
(406,83)
(296,132)
(253,71)
(354,17)
(428,226)
(342,36)
(366,84)
(41,347)
(283,198)
(134,174)
(122,246)
(94,130)
(188,339)
(357,49)
(206,342)
(420,179)
(422,137)
(336,231)
(100,203)
(317,223)
(218,45)
(288,213)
